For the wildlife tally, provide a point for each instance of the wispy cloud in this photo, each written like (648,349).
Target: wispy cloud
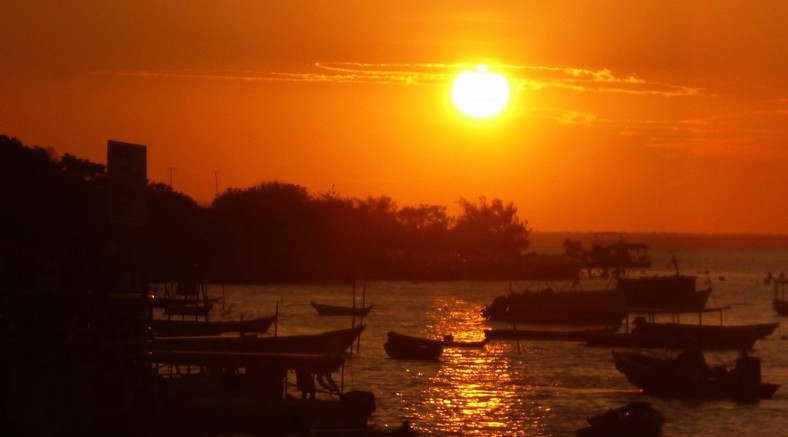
(523,77)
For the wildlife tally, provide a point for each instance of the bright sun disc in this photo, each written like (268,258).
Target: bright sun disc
(480,94)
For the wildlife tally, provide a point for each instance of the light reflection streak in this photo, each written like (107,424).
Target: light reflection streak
(479,391)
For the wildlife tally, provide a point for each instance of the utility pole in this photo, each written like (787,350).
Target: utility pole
(216,180)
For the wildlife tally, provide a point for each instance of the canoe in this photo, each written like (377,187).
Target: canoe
(335,310)
(177,328)
(405,347)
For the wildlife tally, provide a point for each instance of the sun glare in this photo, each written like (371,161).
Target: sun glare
(479,93)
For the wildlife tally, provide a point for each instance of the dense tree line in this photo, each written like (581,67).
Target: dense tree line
(54,220)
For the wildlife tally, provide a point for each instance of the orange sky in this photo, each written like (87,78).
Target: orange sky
(625,115)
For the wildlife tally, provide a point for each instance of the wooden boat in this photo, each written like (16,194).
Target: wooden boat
(779,303)
(335,310)
(633,419)
(688,376)
(554,335)
(246,393)
(329,342)
(576,307)
(663,292)
(405,347)
(733,333)
(178,328)
(682,335)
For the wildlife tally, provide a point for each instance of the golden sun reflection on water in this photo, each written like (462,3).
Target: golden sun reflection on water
(478,391)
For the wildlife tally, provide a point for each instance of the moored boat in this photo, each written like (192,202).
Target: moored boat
(688,375)
(683,335)
(548,306)
(177,328)
(547,334)
(247,393)
(663,292)
(405,347)
(336,310)
(329,342)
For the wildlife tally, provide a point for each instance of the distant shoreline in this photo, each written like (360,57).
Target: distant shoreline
(552,242)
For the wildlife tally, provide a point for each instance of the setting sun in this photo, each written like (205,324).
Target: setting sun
(479,93)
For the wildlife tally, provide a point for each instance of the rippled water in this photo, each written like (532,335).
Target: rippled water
(542,388)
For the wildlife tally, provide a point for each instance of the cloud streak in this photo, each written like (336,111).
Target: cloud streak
(523,77)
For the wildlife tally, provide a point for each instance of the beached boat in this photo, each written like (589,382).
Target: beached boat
(330,342)
(405,347)
(548,306)
(336,310)
(689,376)
(178,328)
(633,419)
(779,303)
(547,334)
(648,334)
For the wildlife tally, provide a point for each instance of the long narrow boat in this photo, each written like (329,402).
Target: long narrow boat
(543,334)
(405,347)
(335,310)
(687,375)
(177,328)
(329,342)
(733,333)
(683,335)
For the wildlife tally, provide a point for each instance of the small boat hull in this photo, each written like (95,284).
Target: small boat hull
(334,310)
(330,343)
(691,377)
(178,328)
(405,347)
(680,336)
